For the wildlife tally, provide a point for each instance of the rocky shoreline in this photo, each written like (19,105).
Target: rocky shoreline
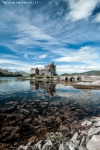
(86,137)
(88,85)
(44,79)
(25,121)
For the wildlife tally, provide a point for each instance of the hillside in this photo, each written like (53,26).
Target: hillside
(24,74)
(6,73)
(90,73)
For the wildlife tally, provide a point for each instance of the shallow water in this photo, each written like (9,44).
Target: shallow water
(34,109)
(15,90)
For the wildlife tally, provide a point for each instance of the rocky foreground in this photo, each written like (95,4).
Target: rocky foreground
(25,121)
(87,137)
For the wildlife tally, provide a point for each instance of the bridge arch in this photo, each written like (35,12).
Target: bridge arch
(72,79)
(66,79)
(79,79)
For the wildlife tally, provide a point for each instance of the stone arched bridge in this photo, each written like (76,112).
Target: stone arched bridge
(74,78)
(70,78)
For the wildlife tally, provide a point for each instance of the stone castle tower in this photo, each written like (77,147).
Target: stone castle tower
(49,70)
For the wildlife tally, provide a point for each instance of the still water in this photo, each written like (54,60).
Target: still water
(13,90)
(34,109)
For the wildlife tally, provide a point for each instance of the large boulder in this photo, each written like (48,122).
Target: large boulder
(93,131)
(94,143)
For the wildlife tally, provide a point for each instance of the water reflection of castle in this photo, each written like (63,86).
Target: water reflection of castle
(49,88)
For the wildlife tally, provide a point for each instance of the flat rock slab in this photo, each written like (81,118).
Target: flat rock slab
(94,143)
(93,131)
(75,136)
(97,124)
(96,119)
(82,148)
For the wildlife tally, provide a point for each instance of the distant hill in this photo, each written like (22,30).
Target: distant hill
(94,72)
(90,73)
(24,74)
(6,73)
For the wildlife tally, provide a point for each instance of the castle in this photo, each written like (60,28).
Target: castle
(49,70)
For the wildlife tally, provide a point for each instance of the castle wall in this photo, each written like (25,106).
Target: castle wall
(34,71)
(37,71)
(48,73)
(41,71)
(49,70)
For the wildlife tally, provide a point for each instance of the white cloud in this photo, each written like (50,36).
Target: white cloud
(31,27)
(76,68)
(85,54)
(17,65)
(8,56)
(25,55)
(31,32)
(97,18)
(40,57)
(81,9)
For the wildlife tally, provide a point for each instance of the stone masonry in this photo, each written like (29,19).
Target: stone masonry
(49,70)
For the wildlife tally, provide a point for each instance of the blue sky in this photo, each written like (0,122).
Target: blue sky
(66,32)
